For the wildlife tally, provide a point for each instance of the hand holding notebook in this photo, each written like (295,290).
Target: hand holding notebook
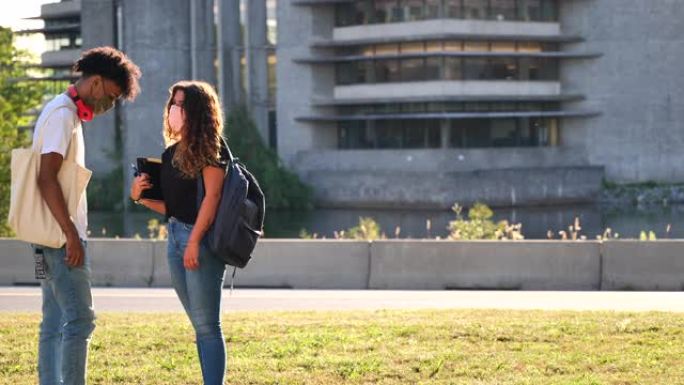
(151,167)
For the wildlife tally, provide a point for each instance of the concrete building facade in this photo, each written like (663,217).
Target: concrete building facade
(429,102)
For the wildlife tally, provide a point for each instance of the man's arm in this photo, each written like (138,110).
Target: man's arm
(53,196)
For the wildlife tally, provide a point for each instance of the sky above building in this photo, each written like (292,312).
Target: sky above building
(15,17)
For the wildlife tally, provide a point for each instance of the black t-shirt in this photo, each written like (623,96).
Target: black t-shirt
(180,193)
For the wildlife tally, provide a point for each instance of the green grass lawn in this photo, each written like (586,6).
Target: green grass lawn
(382,347)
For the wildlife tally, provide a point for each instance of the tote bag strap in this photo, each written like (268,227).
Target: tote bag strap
(38,144)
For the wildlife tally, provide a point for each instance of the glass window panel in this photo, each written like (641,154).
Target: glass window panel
(476,107)
(433,133)
(434,46)
(550,47)
(413,9)
(384,11)
(525,137)
(503,10)
(529,46)
(529,10)
(543,69)
(433,67)
(549,10)
(475,69)
(503,46)
(503,68)
(413,107)
(387,49)
(453,68)
(453,8)
(432,9)
(476,46)
(451,45)
(354,134)
(503,132)
(389,133)
(413,47)
(345,14)
(412,70)
(387,71)
(475,9)
(454,107)
(414,133)
(435,107)
(476,133)
(367,51)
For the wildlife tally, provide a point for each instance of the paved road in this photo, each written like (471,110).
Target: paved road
(27,299)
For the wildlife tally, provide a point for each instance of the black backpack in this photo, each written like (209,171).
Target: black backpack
(240,214)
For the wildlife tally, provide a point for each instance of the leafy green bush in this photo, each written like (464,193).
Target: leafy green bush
(282,188)
(479,225)
(16,98)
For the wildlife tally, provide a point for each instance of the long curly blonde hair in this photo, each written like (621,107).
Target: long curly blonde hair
(199,142)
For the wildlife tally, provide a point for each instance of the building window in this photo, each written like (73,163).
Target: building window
(503,10)
(374,68)
(520,132)
(453,9)
(412,70)
(393,11)
(475,9)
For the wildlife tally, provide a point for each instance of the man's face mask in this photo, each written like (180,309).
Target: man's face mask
(102,104)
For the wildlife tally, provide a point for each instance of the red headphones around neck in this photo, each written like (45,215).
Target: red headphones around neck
(85,112)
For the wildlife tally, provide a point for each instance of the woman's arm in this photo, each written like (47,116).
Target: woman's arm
(154,205)
(213,184)
(140,184)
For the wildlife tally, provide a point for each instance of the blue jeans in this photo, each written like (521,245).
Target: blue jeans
(200,293)
(68,320)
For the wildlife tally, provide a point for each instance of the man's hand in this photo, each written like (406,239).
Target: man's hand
(74,251)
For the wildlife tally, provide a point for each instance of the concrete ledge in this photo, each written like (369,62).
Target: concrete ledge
(528,265)
(635,265)
(321,264)
(394,264)
(16,259)
(118,262)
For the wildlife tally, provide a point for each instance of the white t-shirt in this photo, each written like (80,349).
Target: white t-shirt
(58,124)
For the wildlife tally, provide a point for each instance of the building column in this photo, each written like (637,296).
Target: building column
(202,41)
(257,65)
(229,53)
(102,135)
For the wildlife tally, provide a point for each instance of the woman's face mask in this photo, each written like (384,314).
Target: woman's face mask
(176,119)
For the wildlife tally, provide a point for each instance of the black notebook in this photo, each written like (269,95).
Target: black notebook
(151,167)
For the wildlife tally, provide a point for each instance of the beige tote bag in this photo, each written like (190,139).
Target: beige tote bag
(29,215)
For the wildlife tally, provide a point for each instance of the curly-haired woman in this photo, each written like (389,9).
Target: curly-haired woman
(193,125)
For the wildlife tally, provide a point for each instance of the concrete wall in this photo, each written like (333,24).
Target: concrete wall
(637,84)
(432,27)
(440,178)
(440,190)
(634,265)
(447,88)
(453,160)
(529,265)
(395,264)
(65,57)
